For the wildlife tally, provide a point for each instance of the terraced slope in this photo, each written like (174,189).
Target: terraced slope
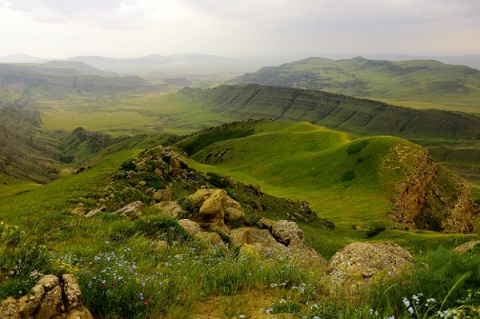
(361,116)
(346,179)
(26,152)
(434,84)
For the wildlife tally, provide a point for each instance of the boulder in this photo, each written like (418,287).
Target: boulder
(192,228)
(131,211)
(95,211)
(304,256)
(51,297)
(162,195)
(266,223)
(170,209)
(200,196)
(212,210)
(466,247)
(284,231)
(234,214)
(210,238)
(357,264)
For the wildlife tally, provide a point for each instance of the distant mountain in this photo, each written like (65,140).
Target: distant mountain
(198,58)
(173,64)
(77,76)
(109,63)
(451,86)
(472,61)
(20,58)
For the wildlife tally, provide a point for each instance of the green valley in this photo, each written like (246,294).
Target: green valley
(238,201)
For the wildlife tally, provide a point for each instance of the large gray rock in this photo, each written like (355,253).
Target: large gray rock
(51,297)
(358,264)
(192,228)
(285,231)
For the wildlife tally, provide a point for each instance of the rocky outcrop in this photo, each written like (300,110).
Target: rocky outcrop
(429,196)
(211,206)
(358,264)
(51,297)
(277,239)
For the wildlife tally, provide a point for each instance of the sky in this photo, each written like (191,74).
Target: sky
(239,28)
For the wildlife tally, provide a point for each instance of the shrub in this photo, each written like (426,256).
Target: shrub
(375,230)
(217,180)
(128,166)
(348,176)
(357,146)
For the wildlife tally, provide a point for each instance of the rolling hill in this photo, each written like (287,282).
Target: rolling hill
(415,83)
(361,179)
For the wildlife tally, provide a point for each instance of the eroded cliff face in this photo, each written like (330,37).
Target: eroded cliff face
(429,196)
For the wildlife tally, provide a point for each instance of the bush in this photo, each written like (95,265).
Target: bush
(348,176)
(128,166)
(217,180)
(357,146)
(375,230)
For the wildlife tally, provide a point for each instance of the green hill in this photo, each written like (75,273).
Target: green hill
(433,84)
(26,151)
(451,137)
(346,179)
(361,116)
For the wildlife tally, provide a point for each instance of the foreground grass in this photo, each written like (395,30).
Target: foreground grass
(127,269)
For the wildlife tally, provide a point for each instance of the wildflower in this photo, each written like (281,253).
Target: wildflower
(141,296)
(406,302)
(410,309)
(269,311)
(146,303)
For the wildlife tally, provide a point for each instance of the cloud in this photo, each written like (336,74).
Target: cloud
(105,13)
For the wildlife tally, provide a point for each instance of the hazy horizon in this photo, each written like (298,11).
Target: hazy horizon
(251,28)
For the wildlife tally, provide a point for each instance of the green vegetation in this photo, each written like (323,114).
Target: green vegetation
(419,84)
(139,269)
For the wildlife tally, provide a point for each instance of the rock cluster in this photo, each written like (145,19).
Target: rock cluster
(50,298)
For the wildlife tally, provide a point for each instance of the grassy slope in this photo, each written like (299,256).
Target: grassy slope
(417,83)
(305,162)
(450,136)
(61,194)
(302,160)
(26,151)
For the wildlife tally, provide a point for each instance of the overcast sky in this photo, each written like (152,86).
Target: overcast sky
(235,28)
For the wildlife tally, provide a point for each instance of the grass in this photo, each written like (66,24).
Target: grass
(125,271)
(311,164)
